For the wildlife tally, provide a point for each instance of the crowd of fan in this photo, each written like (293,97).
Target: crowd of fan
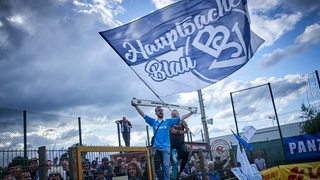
(58,169)
(134,169)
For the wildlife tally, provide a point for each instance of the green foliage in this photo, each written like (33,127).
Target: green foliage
(312,123)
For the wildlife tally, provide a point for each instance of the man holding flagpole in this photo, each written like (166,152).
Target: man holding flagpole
(162,137)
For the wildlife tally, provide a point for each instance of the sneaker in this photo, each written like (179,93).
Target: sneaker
(183,174)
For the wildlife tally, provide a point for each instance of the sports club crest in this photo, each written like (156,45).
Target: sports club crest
(186,46)
(220,148)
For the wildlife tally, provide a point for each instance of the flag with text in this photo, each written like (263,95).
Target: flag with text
(187,45)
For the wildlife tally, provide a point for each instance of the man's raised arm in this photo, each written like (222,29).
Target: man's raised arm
(138,109)
(187,115)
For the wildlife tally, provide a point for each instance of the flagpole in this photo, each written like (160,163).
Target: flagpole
(203,120)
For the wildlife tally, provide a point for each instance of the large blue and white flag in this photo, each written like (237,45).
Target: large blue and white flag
(187,45)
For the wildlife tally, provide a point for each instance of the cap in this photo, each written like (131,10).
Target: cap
(64,156)
(105,159)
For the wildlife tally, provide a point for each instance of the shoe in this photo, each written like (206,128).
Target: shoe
(183,174)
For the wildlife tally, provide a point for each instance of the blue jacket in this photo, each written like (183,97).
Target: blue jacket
(162,137)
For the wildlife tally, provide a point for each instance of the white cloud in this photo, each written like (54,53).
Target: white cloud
(262,6)
(104,10)
(16,19)
(271,29)
(310,35)
(162,3)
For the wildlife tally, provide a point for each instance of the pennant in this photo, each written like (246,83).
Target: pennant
(248,132)
(244,163)
(187,45)
(243,142)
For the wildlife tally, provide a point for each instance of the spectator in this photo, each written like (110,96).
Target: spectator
(113,164)
(260,162)
(143,165)
(57,171)
(106,169)
(196,169)
(25,175)
(212,174)
(86,173)
(9,177)
(194,158)
(94,163)
(218,164)
(134,172)
(121,168)
(64,162)
(124,159)
(55,176)
(55,161)
(33,166)
(49,164)
(100,176)
(125,129)
(15,170)
(134,160)
(206,161)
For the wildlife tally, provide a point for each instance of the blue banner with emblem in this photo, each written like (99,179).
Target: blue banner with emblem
(303,147)
(187,45)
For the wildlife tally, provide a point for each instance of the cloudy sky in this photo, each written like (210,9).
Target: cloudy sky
(53,60)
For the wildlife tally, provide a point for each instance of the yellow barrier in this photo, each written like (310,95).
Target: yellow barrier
(81,149)
(270,174)
(293,171)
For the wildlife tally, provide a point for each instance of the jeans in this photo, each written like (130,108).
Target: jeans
(165,157)
(126,138)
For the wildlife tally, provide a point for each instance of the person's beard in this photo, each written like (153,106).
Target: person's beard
(160,115)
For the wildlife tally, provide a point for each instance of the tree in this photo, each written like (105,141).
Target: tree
(312,123)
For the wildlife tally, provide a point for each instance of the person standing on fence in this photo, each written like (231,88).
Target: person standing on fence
(125,129)
(177,139)
(162,138)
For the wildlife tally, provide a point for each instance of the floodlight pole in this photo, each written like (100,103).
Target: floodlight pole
(203,118)
(234,114)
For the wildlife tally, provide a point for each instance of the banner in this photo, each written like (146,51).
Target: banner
(303,147)
(187,45)
(270,174)
(301,171)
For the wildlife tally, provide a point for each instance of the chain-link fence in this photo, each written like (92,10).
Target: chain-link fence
(260,105)
(22,130)
(272,106)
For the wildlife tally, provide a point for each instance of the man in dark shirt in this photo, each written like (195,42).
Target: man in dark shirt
(177,139)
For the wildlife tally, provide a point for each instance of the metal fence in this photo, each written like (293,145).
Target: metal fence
(264,104)
(24,130)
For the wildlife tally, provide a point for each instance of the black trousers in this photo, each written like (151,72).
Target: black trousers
(183,154)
